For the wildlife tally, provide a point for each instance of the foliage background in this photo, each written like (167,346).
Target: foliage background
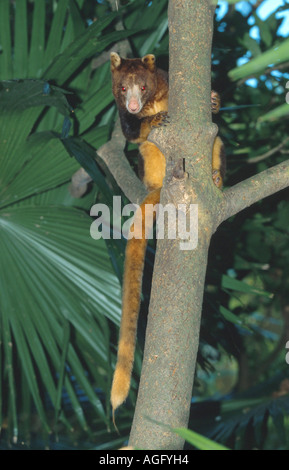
(60,289)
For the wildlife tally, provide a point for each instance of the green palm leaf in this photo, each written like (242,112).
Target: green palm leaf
(276,55)
(59,292)
(36,55)
(6,62)
(55,281)
(54,276)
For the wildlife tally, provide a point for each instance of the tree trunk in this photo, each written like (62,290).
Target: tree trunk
(172,336)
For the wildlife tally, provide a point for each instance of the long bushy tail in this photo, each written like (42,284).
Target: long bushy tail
(132,284)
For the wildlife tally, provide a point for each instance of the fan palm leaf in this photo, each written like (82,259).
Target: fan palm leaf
(58,286)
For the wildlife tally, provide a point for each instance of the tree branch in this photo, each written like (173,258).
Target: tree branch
(79,183)
(268,154)
(113,156)
(172,334)
(246,193)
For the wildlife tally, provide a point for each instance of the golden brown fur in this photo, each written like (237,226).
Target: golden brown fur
(132,282)
(141,93)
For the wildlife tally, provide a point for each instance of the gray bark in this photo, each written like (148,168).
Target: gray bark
(172,335)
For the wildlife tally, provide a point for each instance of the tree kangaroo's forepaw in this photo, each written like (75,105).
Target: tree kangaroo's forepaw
(160,119)
(215,102)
